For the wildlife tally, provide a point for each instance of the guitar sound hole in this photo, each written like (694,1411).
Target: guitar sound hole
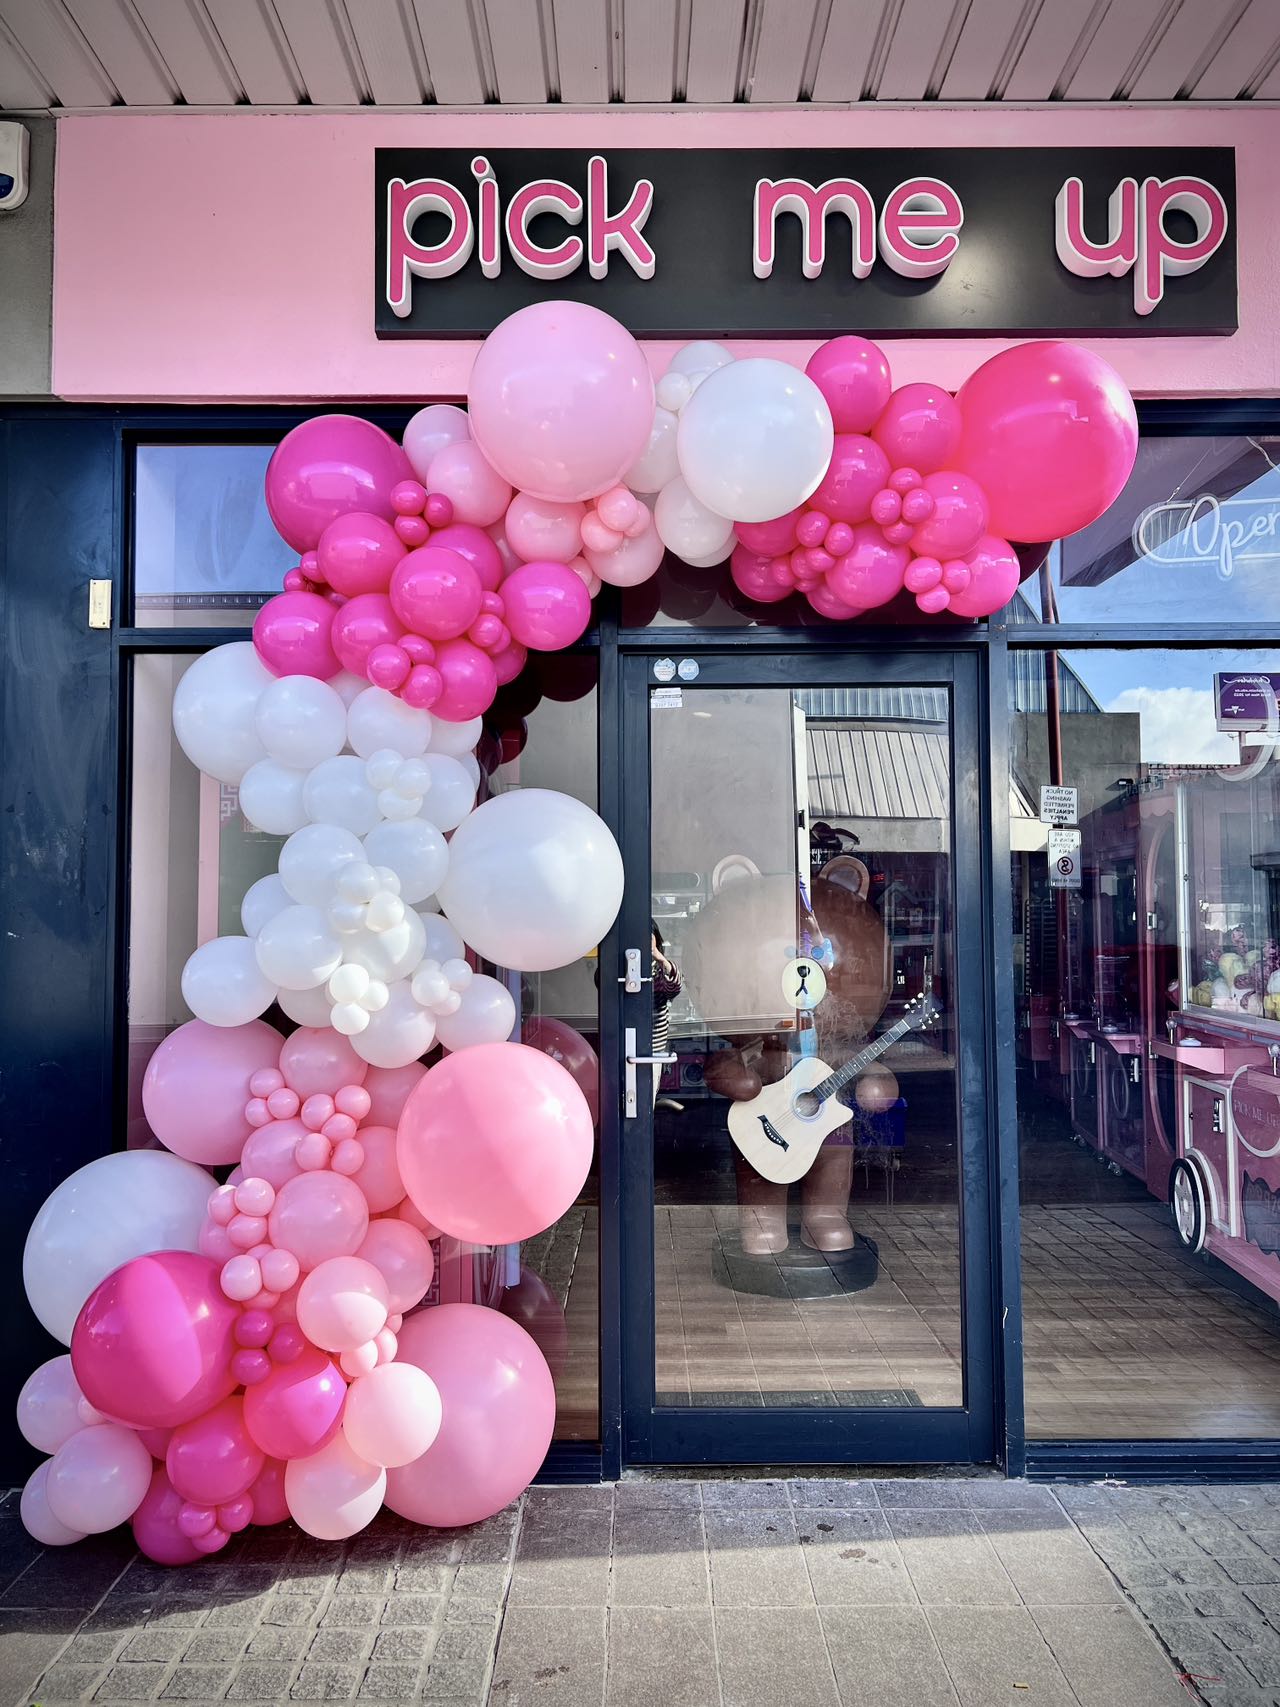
(807,1104)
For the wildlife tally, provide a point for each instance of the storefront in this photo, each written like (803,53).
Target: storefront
(1048,1237)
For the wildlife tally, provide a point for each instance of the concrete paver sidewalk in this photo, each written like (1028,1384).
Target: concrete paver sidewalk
(722,1593)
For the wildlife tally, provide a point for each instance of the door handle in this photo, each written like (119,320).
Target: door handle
(630,1101)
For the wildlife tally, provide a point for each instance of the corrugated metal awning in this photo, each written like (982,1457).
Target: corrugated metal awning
(864,772)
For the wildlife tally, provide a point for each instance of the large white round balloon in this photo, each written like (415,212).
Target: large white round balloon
(657,462)
(389,954)
(338,792)
(307,1007)
(262,901)
(301,721)
(37,1519)
(534,880)
(223,984)
(214,710)
(312,860)
(415,851)
(452,793)
(442,942)
(299,949)
(397,1034)
(271,797)
(487,1015)
(696,360)
(378,720)
(686,526)
(49,1405)
(455,738)
(755,439)
(113,1209)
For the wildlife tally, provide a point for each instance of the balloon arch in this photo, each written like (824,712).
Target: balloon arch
(246,1308)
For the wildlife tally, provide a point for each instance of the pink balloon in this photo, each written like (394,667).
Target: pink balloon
(857,471)
(430,430)
(403,1257)
(267,1494)
(156,1441)
(464,475)
(333,1493)
(477,547)
(379,1176)
(870,573)
(1051,434)
(919,428)
(770,539)
(561,400)
(825,602)
(361,624)
(197,1084)
(508,663)
(752,574)
(328,467)
(98,1478)
(533,1304)
(293,635)
(318,1216)
(995,572)
(268,1152)
(436,592)
(317,1061)
(153,1343)
(298,1408)
(388,1089)
(571,1049)
(357,553)
(628,564)
(409,1213)
(498,1407)
(470,681)
(211,1458)
(495,1143)
(342,1303)
(546,606)
(155,1524)
(392,1414)
(852,374)
(959,516)
(541,531)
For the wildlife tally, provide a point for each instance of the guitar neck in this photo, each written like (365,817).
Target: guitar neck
(863,1059)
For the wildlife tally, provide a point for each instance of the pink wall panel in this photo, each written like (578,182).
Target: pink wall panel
(231,257)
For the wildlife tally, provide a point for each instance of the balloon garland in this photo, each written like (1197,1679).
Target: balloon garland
(259,1347)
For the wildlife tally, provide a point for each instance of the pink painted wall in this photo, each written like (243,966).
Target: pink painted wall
(231,257)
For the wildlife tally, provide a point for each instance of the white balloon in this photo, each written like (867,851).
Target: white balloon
(534,880)
(713,557)
(397,1034)
(378,720)
(271,797)
(686,526)
(98,1478)
(115,1208)
(487,1015)
(307,1007)
(389,954)
(441,942)
(657,462)
(430,430)
(348,686)
(415,851)
(49,1405)
(755,439)
(301,721)
(223,984)
(698,359)
(298,949)
(37,1519)
(469,762)
(338,792)
(452,793)
(214,708)
(455,738)
(262,901)
(312,860)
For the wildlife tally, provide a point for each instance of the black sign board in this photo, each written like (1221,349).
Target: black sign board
(1143,243)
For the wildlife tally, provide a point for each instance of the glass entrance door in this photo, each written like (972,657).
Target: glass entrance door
(804,1136)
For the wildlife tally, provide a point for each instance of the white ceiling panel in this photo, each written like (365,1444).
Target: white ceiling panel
(126,51)
(924,33)
(715,49)
(844,61)
(648,49)
(1061,26)
(782,47)
(198,63)
(1120,47)
(992,32)
(1188,41)
(519,50)
(390,50)
(265,68)
(57,50)
(582,50)
(1252,42)
(323,44)
(453,54)
(21,88)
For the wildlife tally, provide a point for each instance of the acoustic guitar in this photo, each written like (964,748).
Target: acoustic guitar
(782,1128)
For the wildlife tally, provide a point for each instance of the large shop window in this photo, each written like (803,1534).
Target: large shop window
(1147,964)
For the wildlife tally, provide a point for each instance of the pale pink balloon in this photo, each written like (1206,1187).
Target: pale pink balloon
(409,1212)
(269,1152)
(342,1303)
(318,1061)
(478,493)
(388,1089)
(357,553)
(995,573)
(334,1493)
(392,1415)
(630,563)
(37,1516)
(403,1257)
(98,1478)
(959,516)
(547,606)
(498,1410)
(871,572)
(538,529)
(919,428)
(196,1087)
(857,471)
(852,374)
(49,1405)
(379,1176)
(318,1216)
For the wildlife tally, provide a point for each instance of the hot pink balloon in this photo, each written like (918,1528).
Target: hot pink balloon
(328,467)
(379,1175)
(153,1343)
(870,572)
(857,471)
(1050,433)
(752,574)
(361,624)
(267,1494)
(342,1304)
(498,1407)
(268,1152)
(540,531)
(155,1524)
(770,539)
(293,635)
(298,1408)
(403,1257)
(436,592)
(389,1088)
(920,428)
(827,604)
(317,1061)
(495,1143)
(545,606)
(959,516)
(852,374)
(479,549)
(508,663)
(995,572)
(470,681)
(318,1216)
(467,477)
(197,1084)
(212,1459)
(571,1049)
(561,400)
(156,1441)
(357,553)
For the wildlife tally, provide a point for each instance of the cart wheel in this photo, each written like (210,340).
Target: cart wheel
(1189,1205)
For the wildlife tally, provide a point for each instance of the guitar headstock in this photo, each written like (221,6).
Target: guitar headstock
(921,1011)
